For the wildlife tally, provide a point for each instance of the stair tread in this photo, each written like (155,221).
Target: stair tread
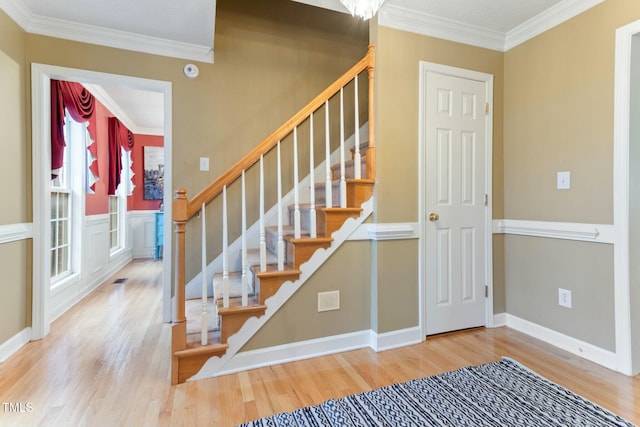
(306,238)
(196,349)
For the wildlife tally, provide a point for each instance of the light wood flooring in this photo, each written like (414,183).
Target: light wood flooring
(106,363)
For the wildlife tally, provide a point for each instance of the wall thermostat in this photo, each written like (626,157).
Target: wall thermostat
(191,71)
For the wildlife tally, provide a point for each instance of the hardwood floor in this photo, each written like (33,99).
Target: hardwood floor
(106,363)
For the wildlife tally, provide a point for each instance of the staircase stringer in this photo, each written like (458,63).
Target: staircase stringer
(194,286)
(216,366)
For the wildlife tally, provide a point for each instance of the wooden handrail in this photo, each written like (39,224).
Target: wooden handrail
(215,188)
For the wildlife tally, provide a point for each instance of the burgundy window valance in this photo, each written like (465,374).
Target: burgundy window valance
(80,104)
(119,136)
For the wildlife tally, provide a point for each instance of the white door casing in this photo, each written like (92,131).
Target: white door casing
(455,138)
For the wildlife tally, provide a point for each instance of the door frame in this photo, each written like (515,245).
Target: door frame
(41,76)
(487,79)
(621,194)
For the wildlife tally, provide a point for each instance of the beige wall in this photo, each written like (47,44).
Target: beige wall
(558,116)
(398,56)
(15,264)
(346,271)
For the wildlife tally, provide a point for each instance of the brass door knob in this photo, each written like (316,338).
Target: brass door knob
(433,217)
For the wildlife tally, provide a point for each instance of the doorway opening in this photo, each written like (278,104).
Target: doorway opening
(42,75)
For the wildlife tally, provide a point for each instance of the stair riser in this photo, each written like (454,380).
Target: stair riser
(349,170)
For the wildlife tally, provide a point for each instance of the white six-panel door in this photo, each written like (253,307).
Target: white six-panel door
(455,196)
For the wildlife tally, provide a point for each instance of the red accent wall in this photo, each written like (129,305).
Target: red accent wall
(136,202)
(98,203)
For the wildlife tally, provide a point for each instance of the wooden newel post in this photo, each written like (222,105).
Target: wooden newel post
(180,205)
(371,150)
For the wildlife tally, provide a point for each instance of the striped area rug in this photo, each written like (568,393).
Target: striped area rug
(498,394)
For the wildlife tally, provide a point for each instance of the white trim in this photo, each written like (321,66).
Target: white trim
(387,231)
(414,21)
(572,345)
(14,232)
(499,320)
(407,19)
(286,290)
(597,233)
(308,349)
(621,265)
(84,33)
(395,339)
(422,209)
(41,75)
(295,351)
(110,104)
(548,19)
(15,343)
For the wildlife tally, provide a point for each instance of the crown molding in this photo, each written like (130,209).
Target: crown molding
(548,19)
(413,21)
(115,109)
(422,23)
(84,33)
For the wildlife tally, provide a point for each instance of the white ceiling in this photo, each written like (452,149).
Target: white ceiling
(185,29)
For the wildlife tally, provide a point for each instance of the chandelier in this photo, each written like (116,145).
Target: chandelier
(362,8)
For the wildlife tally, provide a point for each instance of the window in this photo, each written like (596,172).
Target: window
(67,204)
(114,222)
(118,204)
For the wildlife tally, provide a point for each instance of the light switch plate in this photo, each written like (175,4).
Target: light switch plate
(564,180)
(204,164)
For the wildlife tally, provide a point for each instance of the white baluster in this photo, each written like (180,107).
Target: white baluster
(327,187)
(245,262)
(343,182)
(312,184)
(204,316)
(280,234)
(225,251)
(296,199)
(357,173)
(263,241)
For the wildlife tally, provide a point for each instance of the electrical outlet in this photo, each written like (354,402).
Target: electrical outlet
(564,298)
(204,164)
(328,301)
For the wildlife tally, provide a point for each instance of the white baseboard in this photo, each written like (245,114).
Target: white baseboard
(499,320)
(295,351)
(575,346)
(320,347)
(15,343)
(395,339)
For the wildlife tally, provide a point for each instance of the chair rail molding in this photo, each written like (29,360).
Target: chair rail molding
(14,232)
(596,233)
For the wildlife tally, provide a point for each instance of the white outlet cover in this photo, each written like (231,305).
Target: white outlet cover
(204,164)
(564,298)
(564,180)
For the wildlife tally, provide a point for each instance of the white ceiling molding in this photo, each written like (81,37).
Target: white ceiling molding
(417,22)
(110,104)
(422,23)
(553,16)
(103,36)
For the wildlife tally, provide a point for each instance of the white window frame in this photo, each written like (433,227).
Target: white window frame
(121,194)
(73,173)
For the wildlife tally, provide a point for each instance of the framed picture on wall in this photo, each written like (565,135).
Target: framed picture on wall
(153,173)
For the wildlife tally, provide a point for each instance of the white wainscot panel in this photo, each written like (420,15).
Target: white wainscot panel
(143,233)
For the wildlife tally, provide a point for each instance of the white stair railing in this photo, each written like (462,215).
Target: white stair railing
(357,173)
(296,197)
(245,261)
(343,181)
(327,144)
(312,184)
(280,232)
(263,240)
(225,251)
(204,317)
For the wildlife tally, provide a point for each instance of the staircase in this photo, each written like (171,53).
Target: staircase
(284,256)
